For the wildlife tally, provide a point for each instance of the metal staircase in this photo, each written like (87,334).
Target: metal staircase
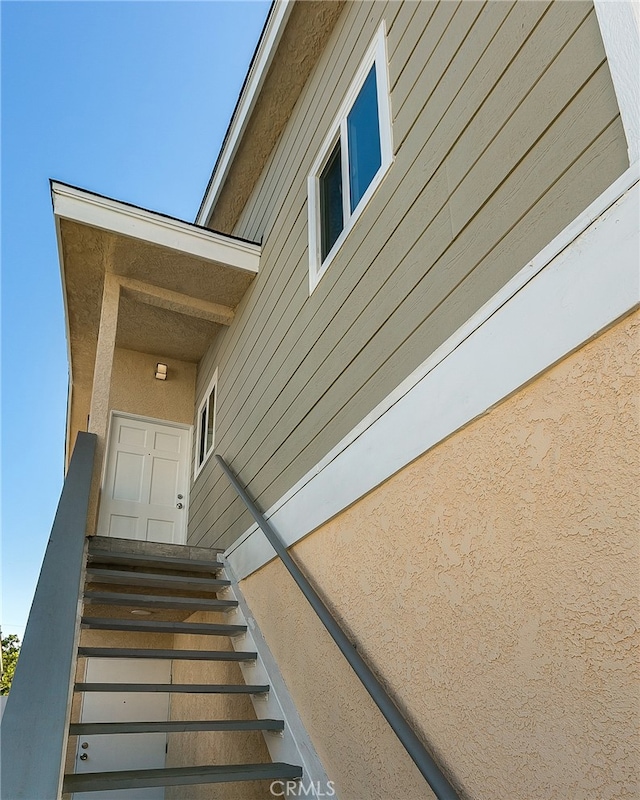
(172,582)
(87,591)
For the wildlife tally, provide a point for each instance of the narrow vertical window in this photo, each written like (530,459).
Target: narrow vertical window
(206,425)
(203,429)
(332,218)
(211,405)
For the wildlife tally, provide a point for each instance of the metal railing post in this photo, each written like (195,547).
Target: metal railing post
(36,719)
(414,747)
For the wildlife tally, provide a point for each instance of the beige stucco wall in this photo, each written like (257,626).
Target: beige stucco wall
(134,388)
(493,585)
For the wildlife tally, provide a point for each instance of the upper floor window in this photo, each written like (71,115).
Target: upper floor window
(206,424)
(352,161)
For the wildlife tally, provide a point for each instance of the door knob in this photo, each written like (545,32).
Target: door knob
(179,505)
(83,757)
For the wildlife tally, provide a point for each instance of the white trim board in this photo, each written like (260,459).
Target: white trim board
(619,22)
(581,283)
(212,386)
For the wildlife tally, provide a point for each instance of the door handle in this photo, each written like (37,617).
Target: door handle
(83,757)
(179,505)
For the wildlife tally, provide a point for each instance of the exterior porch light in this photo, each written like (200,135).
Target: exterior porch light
(161,372)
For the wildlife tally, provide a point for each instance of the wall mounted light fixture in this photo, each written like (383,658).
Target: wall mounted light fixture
(161,372)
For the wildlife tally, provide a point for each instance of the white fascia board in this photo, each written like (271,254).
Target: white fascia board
(576,287)
(253,86)
(110,215)
(67,331)
(619,22)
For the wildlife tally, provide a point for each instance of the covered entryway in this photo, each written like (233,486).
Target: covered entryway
(141,289)
(146,478)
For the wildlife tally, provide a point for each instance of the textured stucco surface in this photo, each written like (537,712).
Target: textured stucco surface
(302,42)
(134,388)
(493,585)
(144,327)
(206,747)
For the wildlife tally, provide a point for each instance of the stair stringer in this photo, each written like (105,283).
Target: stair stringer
(294,744)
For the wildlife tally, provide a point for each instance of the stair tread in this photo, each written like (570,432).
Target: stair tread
(157,562)
(106,575)
(181,688)
(115,544)
(175,726)
(157,600)
(157,626)
(179,776)
(176,655)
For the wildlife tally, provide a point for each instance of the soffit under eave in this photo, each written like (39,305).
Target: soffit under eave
(88,254)
(301,44)
(172,301)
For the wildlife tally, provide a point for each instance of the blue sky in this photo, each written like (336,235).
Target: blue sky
(127,99)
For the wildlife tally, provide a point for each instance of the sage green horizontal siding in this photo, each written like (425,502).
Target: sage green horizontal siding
(505,127)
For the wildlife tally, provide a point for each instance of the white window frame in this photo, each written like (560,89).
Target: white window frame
(213,384)
(376,55)
(619,24)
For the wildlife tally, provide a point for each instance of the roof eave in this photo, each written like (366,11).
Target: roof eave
(265,52)
(85,207)
(213,256)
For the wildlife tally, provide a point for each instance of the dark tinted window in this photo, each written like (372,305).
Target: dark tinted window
(203,431)
(363,131)
(331,216)
(211,404)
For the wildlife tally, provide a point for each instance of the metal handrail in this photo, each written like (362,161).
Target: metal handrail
(36,719)
(414,747)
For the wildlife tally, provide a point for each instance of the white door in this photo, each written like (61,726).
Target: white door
(145,482)
(121,751)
